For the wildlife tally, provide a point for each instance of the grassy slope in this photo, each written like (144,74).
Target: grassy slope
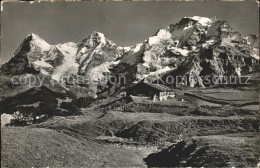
(38,147)
(239,150)
(236,149)
(148,127)
(70,141)
(226,96)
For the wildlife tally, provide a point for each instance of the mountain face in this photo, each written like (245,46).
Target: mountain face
(196,46)
(63,59)
(96,54)
(39,101)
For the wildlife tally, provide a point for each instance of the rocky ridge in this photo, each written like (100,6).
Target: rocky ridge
(195,46)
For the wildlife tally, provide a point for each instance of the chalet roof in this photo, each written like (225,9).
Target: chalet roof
(159,87)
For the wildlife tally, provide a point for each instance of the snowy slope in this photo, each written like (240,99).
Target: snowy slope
(194,46)
(69,64)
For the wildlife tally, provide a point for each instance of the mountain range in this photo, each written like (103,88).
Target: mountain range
(195,46)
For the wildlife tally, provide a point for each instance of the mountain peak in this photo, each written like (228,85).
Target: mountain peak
(99,36)
(204,21)
(35,40)
(97,33)
(32,36)
(94,39)
(31,41)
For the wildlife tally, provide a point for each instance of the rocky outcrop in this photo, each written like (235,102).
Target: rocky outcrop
(207,151)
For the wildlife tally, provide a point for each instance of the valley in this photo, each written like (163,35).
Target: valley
(141,137)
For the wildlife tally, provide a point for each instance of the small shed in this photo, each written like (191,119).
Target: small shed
(153,91)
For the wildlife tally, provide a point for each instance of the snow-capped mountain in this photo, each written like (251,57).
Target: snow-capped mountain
(37,56)
(96,54)
(194,46)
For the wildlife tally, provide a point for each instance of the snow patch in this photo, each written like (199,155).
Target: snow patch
(247,41)
(193,47)
(208,43)
(161,35)
(137,47)
(158,72)
(179,51)
(36,104)
(189,26)
(228,41)
(204,21)
(63,100)
(253,53)
(126,49)
(42,66)
(42,63)
(238,71)
(116,62)
(69,64)
(102,37)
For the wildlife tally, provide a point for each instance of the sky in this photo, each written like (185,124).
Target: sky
(126,23)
